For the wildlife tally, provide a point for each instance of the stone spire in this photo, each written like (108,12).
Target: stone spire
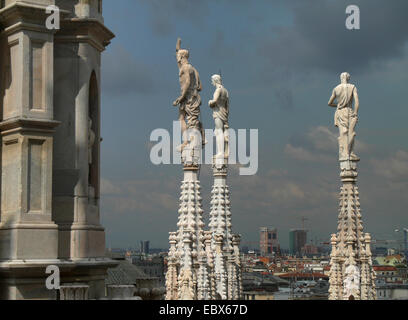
(171,275)
(351,273)
(188,270)
(227,264)
(188,256)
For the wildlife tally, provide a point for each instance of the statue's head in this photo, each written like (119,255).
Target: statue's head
(182,55)
(345,77)
(216,79)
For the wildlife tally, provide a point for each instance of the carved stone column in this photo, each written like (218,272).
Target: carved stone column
(74,292)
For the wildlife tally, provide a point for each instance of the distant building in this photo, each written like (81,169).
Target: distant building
(391,282)
(310,249)
(390,260)
(269,243)
(153,267)
(263,286)
(144,247)
(297,240)
(128,280)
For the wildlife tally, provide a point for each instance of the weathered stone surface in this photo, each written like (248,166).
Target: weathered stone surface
(50,177)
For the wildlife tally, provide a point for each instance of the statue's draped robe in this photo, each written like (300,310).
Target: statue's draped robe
(344,96)
(221,108)
(192,102)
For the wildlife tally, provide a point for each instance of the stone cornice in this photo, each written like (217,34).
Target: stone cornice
(87,30)
(24,124)
(27,13)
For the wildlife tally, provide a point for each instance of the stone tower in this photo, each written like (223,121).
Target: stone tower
(50,129)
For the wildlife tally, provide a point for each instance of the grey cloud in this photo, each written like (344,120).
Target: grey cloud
(123,74)
(394,168)
(164,14)
(319,40)
(318,144)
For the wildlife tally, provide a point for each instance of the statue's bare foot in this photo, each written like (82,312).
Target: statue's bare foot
(354,157)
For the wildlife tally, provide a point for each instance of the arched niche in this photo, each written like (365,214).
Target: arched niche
(94,138)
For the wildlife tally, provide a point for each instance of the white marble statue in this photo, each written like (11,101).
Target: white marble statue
(189,101)
(351,282)
(220,107)
(345,117)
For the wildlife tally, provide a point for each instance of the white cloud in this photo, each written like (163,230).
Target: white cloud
(108,188)
(319,144)
(394,168)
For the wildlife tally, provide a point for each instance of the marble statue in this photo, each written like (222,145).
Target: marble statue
(220,106)
(189,101)
(345,117)
(351,282)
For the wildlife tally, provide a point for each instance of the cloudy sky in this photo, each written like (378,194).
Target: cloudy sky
(280,61)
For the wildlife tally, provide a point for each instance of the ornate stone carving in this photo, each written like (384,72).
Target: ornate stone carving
(171,275)
(220,269)
(220,166)
(74,292)
(351,282)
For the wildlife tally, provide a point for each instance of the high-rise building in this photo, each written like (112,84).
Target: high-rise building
(268,242)
(144,247)
(297,240)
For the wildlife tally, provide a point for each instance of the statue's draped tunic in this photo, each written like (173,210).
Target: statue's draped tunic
(221,108)
(192,102)
(344,95)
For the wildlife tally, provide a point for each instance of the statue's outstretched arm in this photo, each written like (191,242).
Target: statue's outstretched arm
(178,45)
